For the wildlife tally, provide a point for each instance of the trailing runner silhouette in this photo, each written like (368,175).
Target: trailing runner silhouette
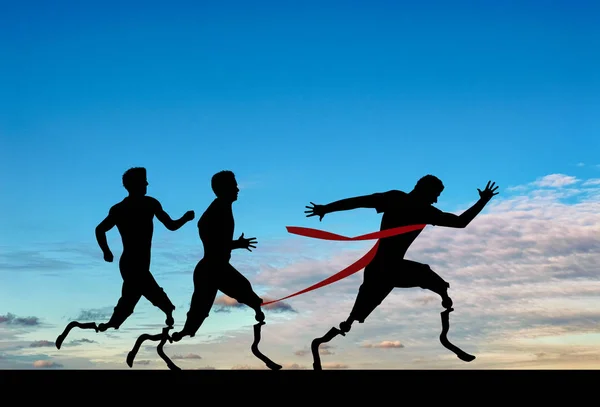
(133,217)
(389,269)
(214,273)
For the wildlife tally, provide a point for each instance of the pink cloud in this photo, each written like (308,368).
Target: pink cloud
(46,364)
(384,345)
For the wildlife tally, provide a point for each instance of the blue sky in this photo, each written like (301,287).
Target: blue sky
(304,101)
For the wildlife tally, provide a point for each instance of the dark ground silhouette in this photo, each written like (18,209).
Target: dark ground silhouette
(133,217)
(214,272)
(389,269)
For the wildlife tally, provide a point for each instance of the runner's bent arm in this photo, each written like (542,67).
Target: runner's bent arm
(165,219)
(460,221)
(107,224)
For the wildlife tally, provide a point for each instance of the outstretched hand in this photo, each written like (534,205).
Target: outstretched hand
(189,215)
(247,243)
(489,192)
(315,210)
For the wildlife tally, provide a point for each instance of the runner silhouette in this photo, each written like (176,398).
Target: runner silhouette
(133,217)
(389,269)
(213,272)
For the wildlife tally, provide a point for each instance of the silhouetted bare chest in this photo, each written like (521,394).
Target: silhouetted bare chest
(135,221)
(403,214)
(217,223)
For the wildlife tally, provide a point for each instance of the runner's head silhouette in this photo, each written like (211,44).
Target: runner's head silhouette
(135,182)
(225,186)
(428,189)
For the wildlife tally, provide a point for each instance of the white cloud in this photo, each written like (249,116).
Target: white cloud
(556,180)
(592,182)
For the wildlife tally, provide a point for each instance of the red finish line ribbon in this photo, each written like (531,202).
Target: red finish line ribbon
(354,267)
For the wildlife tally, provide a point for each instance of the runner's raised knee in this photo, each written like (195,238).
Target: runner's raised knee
(430,280)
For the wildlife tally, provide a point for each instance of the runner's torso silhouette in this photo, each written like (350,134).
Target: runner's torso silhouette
(134,218)
(400,209)
(216,227)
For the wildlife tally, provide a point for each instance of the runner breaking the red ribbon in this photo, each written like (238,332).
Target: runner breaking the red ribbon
(213,272)
(389,269)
